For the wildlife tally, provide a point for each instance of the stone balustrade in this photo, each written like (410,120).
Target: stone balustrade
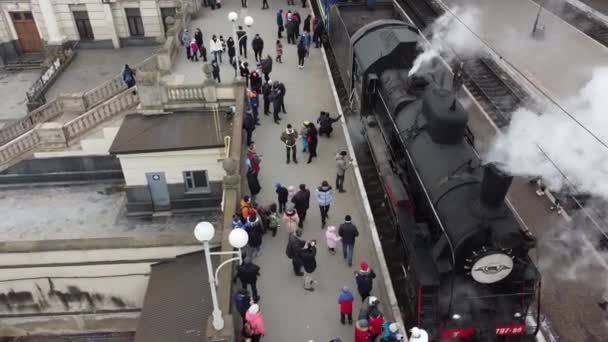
(44,113)
(99,114)
(18,147)
(185,93)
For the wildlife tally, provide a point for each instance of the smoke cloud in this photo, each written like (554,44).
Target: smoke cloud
(576,153)
(447,36)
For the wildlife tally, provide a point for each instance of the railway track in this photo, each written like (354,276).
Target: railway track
(578,18)
(496,92)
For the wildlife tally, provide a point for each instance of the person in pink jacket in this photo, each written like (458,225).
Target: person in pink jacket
(256,319)
(291,220)
(194,49)
(332,239)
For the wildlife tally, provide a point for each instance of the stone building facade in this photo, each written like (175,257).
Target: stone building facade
(33,25)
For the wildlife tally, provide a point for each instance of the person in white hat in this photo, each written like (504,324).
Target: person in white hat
(418,335)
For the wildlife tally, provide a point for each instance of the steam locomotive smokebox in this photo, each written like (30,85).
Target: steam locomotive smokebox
(446,119)
(494,186)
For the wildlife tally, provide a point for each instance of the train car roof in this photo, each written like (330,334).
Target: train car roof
(384,43)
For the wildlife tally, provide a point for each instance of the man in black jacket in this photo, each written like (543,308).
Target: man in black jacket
(248,274)
(257,44)
(241,37)
(325,121)
(348,232)
(301,202)
(266,90)
(294,245)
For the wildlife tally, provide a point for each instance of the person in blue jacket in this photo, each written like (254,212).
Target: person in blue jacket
(280,26)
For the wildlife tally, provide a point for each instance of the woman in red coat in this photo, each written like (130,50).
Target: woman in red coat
(375,321)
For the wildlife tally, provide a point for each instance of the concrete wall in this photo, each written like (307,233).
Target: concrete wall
(135,166)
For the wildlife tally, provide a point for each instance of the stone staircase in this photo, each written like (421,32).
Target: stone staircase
(28,61)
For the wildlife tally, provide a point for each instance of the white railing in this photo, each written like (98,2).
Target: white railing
(18,147)
(44,113)
(185,93)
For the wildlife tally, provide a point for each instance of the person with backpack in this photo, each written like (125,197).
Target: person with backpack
(246,207)
(346,306)
(128,76)
(274,222)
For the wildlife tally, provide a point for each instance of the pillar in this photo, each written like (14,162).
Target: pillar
(109,19)
(50,21)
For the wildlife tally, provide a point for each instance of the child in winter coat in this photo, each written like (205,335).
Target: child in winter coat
(291,220)
(346,306)
(332,238)
(362,331)
(274,222)
(279,47)
(256,319)
(376,321)
(237,222)
(194,49)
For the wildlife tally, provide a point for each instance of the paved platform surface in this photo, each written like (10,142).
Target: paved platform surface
(13,87)
(92,67)
(293,314)
(560,64)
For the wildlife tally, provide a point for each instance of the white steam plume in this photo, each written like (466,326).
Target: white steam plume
(449,35)
(582,158)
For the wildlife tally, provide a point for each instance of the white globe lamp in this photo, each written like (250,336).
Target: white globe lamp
(238,238)
(232,16)
(248,21)
(204,231)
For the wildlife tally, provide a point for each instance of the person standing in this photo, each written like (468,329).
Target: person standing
(248,124)
(301,202)
(274,222)
(304,136)
(297,21)
(348,232)
(254,243)
(389,332)
(308,254)
(254,185)
(282,91)
(307,23)
(289,138)
(279,48)
(244,3)
(215,46)
(198,36)
(265,4)
(244,69)
(241,36)
(266,66)
(266,90)
(362,331)
(318,33)
(194,49)
(255,318)
(280,26)
(341,166)
(275,97)
(241,301)
(246,207)
(128,76)
(365,280)
(281,196)
(254,104)
(248,274)
(186,39)
(368,305)
(301,53)
(325,196)
(291,220)
(257,44)
(312,139)
(294,245)
(255,82)
(346,306)
(376,321)
(231,50)
(290,26)
(307,42)
(215,71)
(253,158)
(332,238)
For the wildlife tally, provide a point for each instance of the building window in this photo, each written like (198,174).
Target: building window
(136,25)
(166,12)
(196,181)
(83,24)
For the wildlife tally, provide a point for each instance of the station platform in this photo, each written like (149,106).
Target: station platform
(291,313)
(560,64)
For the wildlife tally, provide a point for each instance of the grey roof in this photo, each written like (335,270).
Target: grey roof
(178,301)
(385,42)
(169,132)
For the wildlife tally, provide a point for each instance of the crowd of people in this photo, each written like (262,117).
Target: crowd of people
(288,213)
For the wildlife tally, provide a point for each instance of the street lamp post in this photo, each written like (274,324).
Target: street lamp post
(238,239)
(234,17)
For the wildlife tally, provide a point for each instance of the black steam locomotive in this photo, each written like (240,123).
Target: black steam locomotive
(467,273)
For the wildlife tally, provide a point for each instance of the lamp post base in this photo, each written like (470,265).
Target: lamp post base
(226,334)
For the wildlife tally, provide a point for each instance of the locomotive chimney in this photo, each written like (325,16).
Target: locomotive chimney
(494,186)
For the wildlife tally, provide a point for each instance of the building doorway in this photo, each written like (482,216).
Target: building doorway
(83,24)
(27,32)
